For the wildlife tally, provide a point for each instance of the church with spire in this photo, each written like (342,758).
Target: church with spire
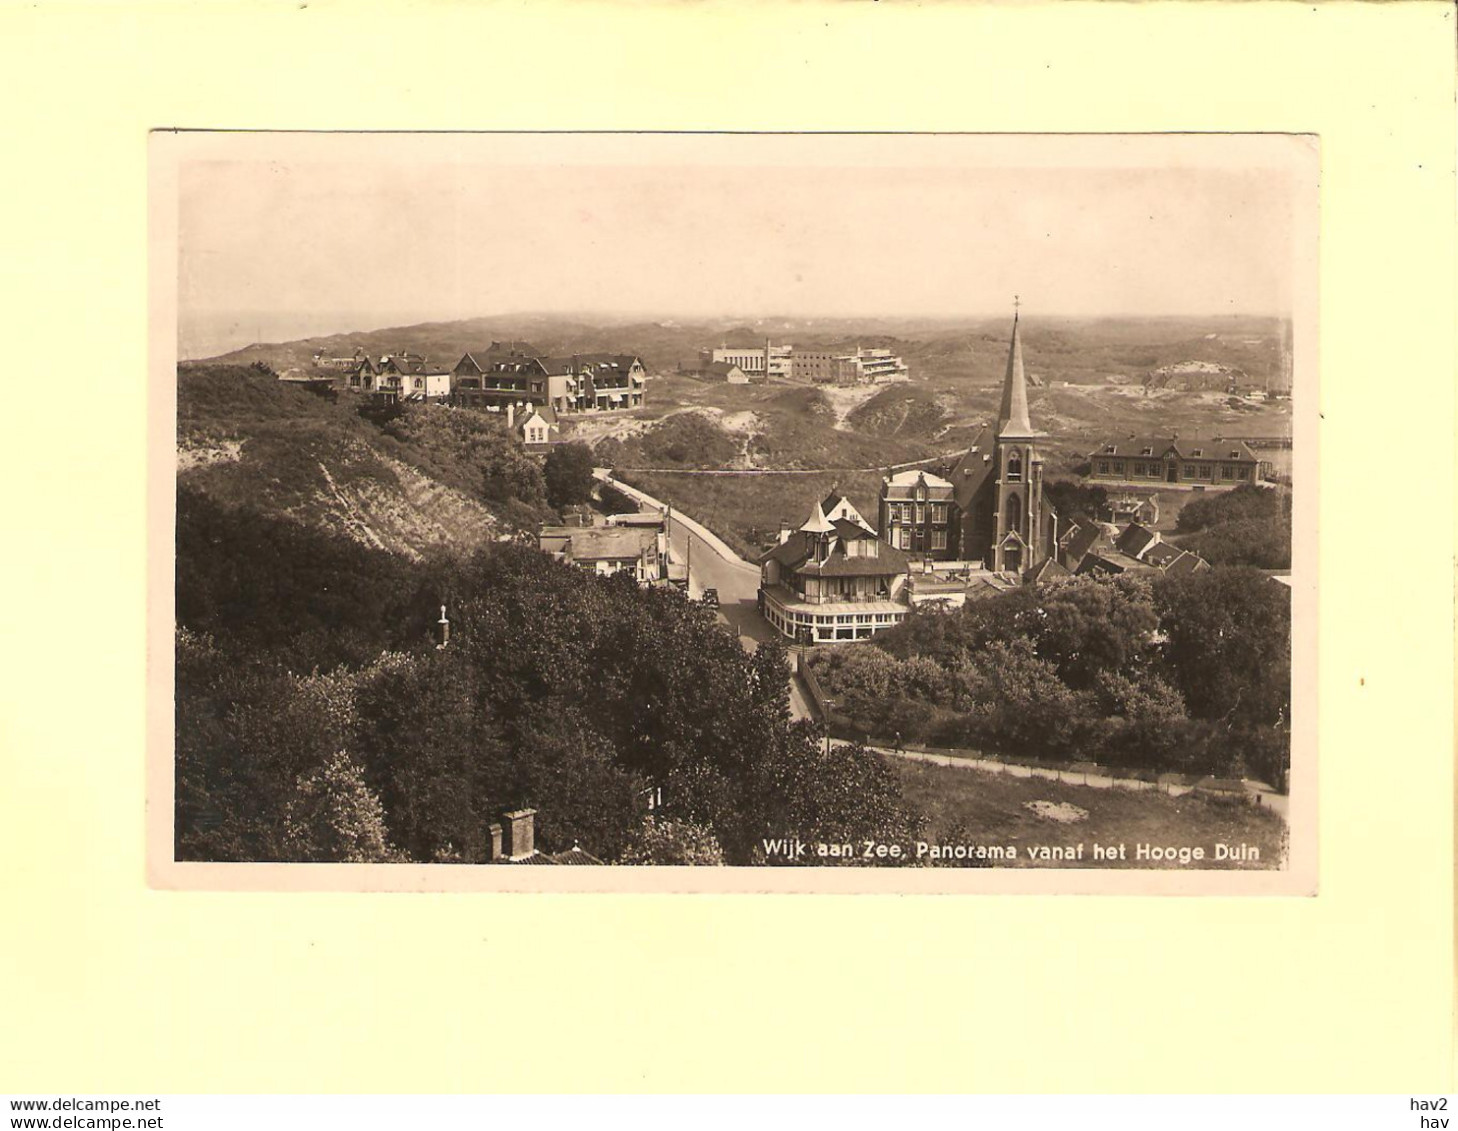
(991,507)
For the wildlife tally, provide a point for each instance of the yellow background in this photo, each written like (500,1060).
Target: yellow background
(110,986)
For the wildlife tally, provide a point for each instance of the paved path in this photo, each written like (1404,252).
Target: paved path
(714,565)
(1275,802)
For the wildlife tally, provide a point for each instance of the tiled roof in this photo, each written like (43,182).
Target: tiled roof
(1159,446)
(574,855)
(1048,570)
(1187,563)
(1162,554)
(1135,540)
(1081,538)
(794,554)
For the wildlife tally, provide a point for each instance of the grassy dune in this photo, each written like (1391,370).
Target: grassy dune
(976,806)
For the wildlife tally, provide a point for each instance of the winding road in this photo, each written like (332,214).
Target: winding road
(713,565)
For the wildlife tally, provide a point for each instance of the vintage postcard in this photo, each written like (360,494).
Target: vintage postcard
(733,512)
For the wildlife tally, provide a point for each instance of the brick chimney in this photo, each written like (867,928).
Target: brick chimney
(517,842)
(494,854)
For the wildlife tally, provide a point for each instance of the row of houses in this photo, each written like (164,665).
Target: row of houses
(502,375)
(742,365)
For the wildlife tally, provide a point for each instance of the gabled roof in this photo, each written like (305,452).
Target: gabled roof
(1162,554)
(1135,539)
(1187,563)
(1080,538)
(1047,570)
(556,366)
(837,506)
(849,530)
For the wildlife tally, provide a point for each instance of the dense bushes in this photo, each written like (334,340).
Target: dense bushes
(1188,674)
(1248,526)
(561,691)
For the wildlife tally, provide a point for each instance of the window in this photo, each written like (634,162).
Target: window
(920,512)
(1146,451)
(1103,467)
(1109,449)
(1138,468)
(1227,471)
(1014,468)
(1198,452)
(1234,455)
(1014,513)
(939,539)
(1205,470)
(1189,471)
(903,539)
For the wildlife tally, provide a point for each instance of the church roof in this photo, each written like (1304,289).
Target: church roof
(1012,416)
(974,468)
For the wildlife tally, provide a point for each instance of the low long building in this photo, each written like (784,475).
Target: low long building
(833,579)
(1144,460)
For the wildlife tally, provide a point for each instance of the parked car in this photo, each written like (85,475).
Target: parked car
(710,597)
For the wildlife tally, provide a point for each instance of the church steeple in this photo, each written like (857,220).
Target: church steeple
(1012,417)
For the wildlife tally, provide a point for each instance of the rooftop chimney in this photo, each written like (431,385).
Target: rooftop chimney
(494,854)
(517,842)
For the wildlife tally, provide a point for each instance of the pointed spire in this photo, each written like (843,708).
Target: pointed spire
(1012,417)
(817,522)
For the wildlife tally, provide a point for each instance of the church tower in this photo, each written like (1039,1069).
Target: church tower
(1019,537)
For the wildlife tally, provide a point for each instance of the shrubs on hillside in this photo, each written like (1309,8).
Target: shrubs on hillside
(1189,674)
(1248,526)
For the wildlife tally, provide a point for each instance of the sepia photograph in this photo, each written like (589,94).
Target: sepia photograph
(734,512)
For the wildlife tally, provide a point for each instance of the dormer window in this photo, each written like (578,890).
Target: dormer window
(1198,452)
(1109,449)
(1235,455)
(1146,451)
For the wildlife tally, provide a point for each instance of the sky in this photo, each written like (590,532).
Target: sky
(284,236)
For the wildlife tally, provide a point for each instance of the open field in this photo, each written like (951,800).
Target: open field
(746,511)
(978,807)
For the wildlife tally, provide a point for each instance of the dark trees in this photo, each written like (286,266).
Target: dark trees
(568,475)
